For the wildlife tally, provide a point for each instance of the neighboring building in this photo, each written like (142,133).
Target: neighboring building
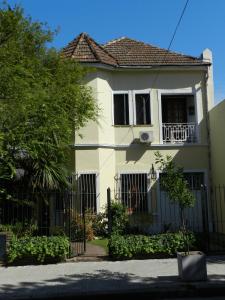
(217,141)
(217,127)
(150,99)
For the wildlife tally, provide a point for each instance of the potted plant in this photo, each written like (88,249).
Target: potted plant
(191,264)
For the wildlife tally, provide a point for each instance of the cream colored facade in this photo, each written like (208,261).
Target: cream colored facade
(217,126)
(217,139)
(109,150)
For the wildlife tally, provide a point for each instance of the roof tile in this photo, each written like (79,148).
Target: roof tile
(125,52)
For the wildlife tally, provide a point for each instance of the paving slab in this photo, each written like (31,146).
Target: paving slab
(157,278)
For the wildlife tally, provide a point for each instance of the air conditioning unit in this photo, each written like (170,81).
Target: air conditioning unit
(146,136)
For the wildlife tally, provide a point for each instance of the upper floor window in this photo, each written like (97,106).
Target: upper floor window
(131,108)
(142,106)
(121,109)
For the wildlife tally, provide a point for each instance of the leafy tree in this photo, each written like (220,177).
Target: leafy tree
(176,186)
(43,99)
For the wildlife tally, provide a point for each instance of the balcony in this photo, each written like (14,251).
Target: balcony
(176,133)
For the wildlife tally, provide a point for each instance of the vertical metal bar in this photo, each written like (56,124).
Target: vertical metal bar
(84,227)
(221,211)
(144,111)
(205,217)
(109,212)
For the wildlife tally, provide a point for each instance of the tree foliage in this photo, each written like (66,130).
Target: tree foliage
(173,181)
(176,186)
(43,99)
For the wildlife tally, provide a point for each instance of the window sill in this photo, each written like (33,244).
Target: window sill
(147,125)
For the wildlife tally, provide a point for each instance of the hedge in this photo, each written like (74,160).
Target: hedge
(40,249)
(141,246)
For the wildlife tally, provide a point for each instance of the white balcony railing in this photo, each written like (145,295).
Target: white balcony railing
(179,133)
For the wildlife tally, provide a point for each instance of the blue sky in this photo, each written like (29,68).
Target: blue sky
(151,21)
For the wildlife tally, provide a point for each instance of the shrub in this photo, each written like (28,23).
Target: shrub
(119,217)
(40,249)
(137,246)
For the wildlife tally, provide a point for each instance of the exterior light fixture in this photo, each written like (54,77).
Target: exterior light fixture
(153,173)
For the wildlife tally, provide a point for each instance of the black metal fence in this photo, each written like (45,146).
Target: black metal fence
(52,213)
(151,211)
(216,219)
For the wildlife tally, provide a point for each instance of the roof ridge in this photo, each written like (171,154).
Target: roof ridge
(88,40)
(103,49)
(114,40)
(77,39)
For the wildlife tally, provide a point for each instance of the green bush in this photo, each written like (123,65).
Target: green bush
(137,246)
(40,249)
(119,217)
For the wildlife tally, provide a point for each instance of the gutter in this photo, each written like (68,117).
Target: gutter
(201,67)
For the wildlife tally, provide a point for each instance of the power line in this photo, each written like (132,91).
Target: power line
(178,24)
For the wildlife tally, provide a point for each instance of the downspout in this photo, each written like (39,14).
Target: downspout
(208,135)
(207,56)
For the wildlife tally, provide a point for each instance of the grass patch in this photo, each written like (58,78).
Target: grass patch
(100,242)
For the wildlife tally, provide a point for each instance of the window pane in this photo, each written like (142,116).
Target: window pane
(195,180)
(142,109)
(121,109)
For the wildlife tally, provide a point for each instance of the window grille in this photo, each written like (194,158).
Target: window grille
(87,191)
(133,192)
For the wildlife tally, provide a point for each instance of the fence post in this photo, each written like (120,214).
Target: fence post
(109,212)
(205,220)
(84,225)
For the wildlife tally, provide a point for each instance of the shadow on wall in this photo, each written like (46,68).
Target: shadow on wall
(135,151)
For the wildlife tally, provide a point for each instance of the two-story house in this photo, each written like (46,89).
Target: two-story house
(150,99)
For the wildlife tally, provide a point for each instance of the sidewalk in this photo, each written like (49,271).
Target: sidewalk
(155,277)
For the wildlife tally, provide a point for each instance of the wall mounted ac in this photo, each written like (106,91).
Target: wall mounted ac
(146,136)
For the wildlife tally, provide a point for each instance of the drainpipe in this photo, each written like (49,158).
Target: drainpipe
(209,96)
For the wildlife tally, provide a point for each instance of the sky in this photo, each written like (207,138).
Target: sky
(150,21)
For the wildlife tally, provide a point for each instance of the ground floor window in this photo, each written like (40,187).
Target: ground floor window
(169,211)
(194,179)
(134,191)
(87,191)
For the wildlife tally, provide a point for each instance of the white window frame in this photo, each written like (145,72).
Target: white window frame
(132,106)
(134,93)
(129,104)
(186,92)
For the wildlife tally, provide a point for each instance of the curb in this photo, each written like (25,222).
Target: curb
(160,291)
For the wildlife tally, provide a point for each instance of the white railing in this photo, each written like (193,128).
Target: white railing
(179,133)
